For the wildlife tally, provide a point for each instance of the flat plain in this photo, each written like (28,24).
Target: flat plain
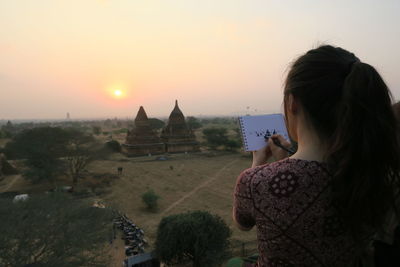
(184,182)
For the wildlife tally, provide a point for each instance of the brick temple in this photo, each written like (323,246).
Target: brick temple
(176,137)
(141,139)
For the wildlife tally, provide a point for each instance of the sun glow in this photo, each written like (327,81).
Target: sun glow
(117,93)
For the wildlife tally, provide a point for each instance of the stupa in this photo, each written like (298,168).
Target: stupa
(141,139)
(177,136)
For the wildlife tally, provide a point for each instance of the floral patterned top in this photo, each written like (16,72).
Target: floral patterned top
(289,201)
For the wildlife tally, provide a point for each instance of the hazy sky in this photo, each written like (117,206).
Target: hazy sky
(214,56)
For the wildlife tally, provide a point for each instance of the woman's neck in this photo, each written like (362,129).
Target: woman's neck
(309,145)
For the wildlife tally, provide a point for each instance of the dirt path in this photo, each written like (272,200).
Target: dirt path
(181,167)
(11,183)
(205,183)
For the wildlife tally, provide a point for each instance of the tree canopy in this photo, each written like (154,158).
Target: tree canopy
(195,236)
(218,136)
(156,124)
(41,147)
(46,148)
(215,136)
(193,122)
(113,146)
(53,230)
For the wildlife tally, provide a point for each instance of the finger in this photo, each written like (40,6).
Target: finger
(271,142)
(282,140)
(264,149)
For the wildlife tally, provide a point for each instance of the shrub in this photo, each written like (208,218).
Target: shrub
(215,136)
(114,146)
(232,144)
(150,199)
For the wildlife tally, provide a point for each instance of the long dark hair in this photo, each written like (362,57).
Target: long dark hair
(349,105)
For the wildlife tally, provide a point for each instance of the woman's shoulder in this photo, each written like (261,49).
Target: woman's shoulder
(292,166)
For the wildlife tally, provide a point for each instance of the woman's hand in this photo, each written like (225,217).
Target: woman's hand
(277,152)
(261,156)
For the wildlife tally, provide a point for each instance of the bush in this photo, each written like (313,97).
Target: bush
(195,236)
(150,199)
(216,136)
(232,144)
(113,145)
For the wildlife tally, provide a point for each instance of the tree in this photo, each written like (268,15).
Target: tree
(3,134)
(53,230)
(96,130)
(193,123)
(113,146)
(195,236)
(8,130)
(232,144)
(46,149)
(42,148)
(156,124)
(215,136)
(150,199)
(81,149)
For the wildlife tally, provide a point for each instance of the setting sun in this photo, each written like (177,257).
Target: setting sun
(118,93)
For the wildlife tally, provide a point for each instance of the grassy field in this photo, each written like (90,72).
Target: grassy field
(199,181)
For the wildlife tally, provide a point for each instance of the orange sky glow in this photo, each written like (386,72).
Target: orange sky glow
(215,57)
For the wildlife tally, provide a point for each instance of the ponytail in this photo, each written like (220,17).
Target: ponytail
(349,106)
(363,150)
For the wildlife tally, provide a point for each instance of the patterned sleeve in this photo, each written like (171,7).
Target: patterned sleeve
(242,201)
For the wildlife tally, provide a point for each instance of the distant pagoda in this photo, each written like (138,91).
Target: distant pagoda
(177,136)
(141,139)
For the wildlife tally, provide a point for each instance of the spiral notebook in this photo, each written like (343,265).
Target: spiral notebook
(255,129)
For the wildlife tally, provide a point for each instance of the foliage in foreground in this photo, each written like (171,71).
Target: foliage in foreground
(53,230)
(195,236)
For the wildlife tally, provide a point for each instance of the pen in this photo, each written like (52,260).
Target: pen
(278,143)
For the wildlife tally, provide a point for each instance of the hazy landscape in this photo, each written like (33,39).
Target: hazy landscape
(184,182)
(84,184)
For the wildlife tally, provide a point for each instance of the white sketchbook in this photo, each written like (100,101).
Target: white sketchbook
(255,129)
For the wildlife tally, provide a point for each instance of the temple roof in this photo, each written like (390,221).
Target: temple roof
(177,114)
(141,133)
(141,115)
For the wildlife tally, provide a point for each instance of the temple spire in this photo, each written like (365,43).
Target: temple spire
(141,115)
(176,135)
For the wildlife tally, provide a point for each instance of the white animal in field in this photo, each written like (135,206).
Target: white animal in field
(22,197)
